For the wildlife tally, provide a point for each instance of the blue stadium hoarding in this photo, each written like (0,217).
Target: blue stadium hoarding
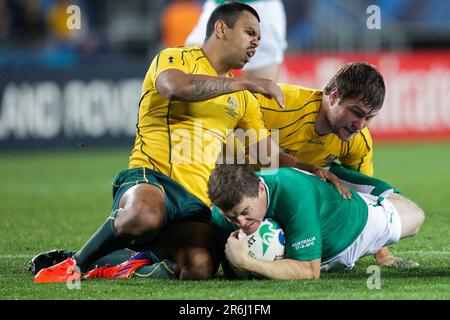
(69,107)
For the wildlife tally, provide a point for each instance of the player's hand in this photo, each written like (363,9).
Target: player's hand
(326,175)
(267,88)
(236,248)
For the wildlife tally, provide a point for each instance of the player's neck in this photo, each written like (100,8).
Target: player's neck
(215,59)
(322,125)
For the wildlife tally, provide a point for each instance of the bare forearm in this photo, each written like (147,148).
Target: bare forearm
(176,85)
(204,89)
(285,269)
(289,161)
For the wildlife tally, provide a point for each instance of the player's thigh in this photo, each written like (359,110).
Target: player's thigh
(411,216)
(141,208)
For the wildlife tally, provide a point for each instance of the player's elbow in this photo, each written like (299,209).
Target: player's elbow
(168,90)
(170,84)
(311,274)
(315,274)
(309,270)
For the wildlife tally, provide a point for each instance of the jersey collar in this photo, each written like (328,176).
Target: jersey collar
(267,193)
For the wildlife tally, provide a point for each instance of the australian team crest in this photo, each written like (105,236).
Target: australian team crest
(232,107)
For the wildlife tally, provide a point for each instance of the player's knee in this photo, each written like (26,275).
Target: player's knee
(199,265)
(138,220)
(419,218)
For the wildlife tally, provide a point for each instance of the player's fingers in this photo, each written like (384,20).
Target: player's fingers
(342,188)
(278,95)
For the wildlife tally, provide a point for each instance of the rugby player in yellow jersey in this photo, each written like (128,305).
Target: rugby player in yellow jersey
(324,126)
(189,102)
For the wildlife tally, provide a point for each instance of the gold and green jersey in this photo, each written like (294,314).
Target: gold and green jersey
(298,137)
(183,139)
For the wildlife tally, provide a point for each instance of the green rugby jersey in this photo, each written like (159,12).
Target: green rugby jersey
(317,221)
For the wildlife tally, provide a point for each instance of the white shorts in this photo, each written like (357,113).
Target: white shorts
(383,228)
(273,32)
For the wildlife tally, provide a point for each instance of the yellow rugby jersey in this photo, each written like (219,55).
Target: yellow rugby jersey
(183,139)
(298,137)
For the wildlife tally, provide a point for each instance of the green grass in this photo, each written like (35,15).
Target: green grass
(57,200)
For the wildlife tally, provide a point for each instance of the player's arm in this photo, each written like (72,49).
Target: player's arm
(175,84)
(236,251)
(274,153)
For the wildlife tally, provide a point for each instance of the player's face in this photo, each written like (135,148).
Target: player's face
(348,117)
(249,213)
(242,40)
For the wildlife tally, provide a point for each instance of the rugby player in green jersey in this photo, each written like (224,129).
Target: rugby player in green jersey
(323,231)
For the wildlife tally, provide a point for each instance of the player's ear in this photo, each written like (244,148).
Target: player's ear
(261,188)
(333,96)
(220,29)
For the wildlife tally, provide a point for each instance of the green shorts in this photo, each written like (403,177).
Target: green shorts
(180,204)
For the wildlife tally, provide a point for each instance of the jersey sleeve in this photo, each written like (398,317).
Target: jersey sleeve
(171,58)
(252,120)
(360,154)
(303,233)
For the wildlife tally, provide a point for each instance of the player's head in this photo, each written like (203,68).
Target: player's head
(239,194)
(236,25)
(355,95)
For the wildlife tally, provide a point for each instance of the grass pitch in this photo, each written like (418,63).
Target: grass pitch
(58,199)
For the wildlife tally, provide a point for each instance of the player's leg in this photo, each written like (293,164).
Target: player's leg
(187,237)
(385,218)
(362,183)
(411,216)
(183,250)
(192,247)
(138,215)
(139,218)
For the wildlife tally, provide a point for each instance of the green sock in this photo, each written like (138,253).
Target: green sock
(159,270)
(104,241)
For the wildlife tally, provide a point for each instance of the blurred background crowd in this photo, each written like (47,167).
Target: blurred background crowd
(34,32)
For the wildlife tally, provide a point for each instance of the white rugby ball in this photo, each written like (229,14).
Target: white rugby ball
(266,243)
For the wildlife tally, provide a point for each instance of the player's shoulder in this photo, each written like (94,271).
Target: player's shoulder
(299,98)
(183,52)
(362,139)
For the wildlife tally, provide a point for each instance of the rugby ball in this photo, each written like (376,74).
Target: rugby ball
(266,243)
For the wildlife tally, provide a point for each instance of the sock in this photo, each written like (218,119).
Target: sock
(159,270)
(104,241)
(113,259)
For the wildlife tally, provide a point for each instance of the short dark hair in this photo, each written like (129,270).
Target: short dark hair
(230,183)
(229,12)
(359,80)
